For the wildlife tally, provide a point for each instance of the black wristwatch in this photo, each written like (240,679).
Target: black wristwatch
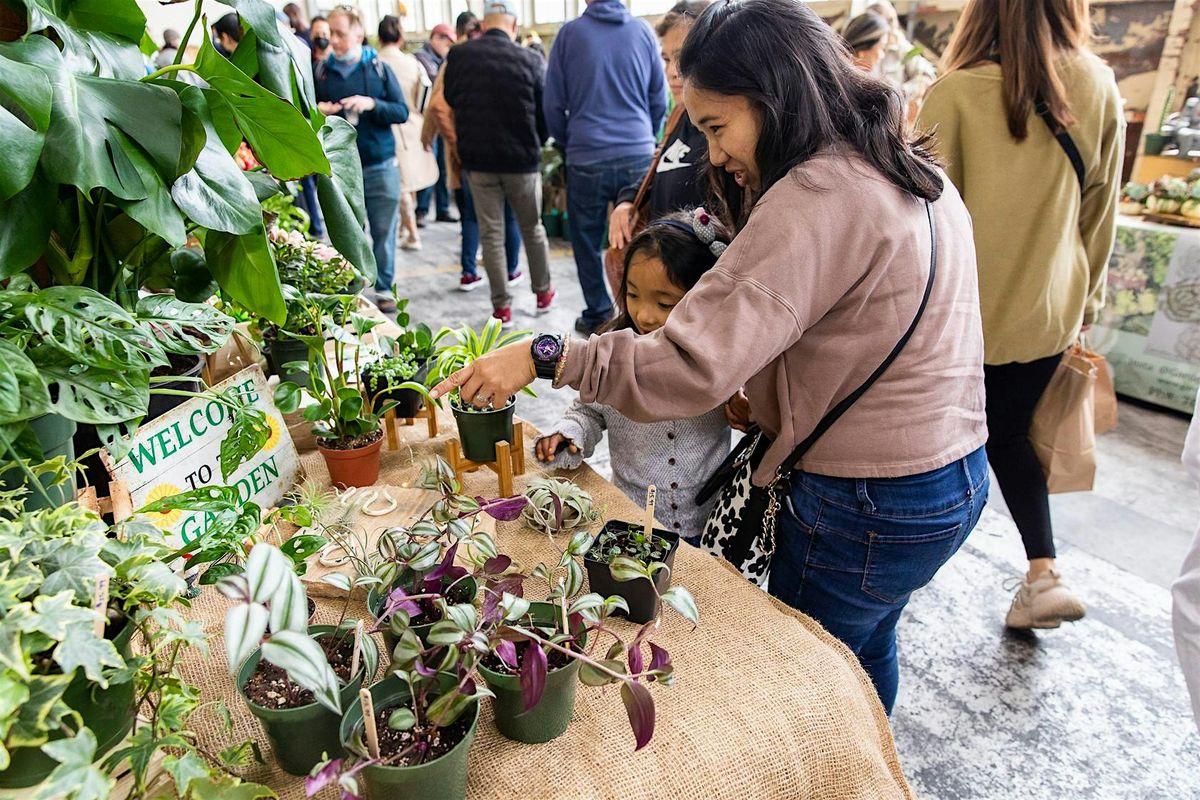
(546,350)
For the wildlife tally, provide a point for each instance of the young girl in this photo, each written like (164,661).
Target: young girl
(661,263)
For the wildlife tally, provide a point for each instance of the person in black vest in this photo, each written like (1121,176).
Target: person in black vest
(354,84)
(494,87)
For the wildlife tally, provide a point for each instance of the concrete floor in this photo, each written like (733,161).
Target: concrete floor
(1097,709)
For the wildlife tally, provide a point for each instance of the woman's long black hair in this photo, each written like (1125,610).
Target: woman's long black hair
(795,71)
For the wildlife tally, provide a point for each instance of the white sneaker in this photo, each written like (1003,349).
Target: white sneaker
(410,245)
(1046,602)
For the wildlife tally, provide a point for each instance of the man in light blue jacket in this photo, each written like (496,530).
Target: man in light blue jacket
(605,100)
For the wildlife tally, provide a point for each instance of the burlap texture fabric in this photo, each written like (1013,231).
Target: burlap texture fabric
(766,704)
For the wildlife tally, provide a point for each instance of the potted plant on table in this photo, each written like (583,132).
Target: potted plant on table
(479,430)
(297,679)
(403,359)
(627,561)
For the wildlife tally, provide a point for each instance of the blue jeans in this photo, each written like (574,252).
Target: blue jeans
(850,552)
(381,191)
(438,192)
(470,232)
(590,189)
(308,189)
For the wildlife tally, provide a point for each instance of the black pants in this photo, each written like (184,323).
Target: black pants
(1013,391)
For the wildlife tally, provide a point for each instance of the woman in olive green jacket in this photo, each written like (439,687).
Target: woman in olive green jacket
(1043,230)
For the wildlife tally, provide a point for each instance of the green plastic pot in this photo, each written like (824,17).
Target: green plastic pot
(108,713)
(301,737)
(640,596)
(479,431)
(552,222)
(377,598)
(550,717)
(54,433)
(284,351)
(444,778)
(1155,142)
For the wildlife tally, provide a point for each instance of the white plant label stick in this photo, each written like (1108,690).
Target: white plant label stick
(648,527)
(358,634)
(100,604)
(368,707)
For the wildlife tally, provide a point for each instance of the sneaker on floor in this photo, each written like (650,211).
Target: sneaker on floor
(386,304)
(447,217)
(515,277)
(504,315)
(469,283)
(411,245)
(421,223)
(1044,602)
(544,300)
(587,328)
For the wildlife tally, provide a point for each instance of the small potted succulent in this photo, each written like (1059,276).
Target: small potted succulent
(557,505)
(403,359)
(1133,198)
(479,430)
(306,267)
(627,562)
(299,678)
(1167,195)
(345,421)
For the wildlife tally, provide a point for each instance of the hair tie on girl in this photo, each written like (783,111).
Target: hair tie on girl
(702,226)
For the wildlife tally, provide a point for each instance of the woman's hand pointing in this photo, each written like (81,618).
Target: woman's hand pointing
(493,378)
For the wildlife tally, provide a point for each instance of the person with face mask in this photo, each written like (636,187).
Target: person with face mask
(355,84)
(318,38)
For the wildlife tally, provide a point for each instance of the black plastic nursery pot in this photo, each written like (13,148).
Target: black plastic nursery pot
(408,401)
(443,778)
(300,737)
(284,351)
(550,717)
(638,593)
(479,431)
(107,712)
(377,598)
(54,433)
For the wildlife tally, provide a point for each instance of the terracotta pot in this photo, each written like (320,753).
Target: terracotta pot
(357,467)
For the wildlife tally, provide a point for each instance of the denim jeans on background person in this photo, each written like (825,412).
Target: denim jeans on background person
(590,190)
(308,199)
(438,192)
(470,232)
(849,552)
(381,192)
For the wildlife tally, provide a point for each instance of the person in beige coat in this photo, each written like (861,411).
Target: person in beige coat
(418,168)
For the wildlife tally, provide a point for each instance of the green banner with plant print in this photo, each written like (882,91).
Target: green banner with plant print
(1149,329)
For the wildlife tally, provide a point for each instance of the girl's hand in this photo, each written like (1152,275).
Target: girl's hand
(620,225)
(548,447)
(737,412)
(496,377)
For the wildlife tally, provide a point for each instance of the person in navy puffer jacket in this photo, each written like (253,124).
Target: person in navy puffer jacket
(605,99)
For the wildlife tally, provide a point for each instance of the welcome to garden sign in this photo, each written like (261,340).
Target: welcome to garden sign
(180,451)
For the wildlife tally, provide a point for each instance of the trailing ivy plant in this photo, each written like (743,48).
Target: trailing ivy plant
(109,171)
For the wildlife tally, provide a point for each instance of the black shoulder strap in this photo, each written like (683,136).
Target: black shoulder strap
(841,408)
(1064,141)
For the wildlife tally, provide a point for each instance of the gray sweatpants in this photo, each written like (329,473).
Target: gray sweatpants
(523,191)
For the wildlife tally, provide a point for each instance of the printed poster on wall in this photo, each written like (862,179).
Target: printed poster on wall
(180,451)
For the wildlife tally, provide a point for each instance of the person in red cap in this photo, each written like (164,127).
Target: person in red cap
(432,55)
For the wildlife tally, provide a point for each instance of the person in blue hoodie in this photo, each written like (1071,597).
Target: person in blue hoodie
(354,84)
(605,99)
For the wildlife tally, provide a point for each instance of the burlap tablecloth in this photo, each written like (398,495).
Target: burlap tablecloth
(766,704)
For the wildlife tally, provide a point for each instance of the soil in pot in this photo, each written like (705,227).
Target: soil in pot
(270,687)
(392,743)
(352,462)
(479,431)
(552,714)
(638,593)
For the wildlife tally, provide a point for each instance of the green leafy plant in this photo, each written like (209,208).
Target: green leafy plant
(51,563)
(282,212)
(109,171)
(557,505)
(468,346)
(632,544)
(306,268)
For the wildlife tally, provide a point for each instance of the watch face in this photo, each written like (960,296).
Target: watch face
(546,348)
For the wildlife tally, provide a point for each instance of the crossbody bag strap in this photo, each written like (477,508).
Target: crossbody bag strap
(841,408)
(1064,141)
(644,188)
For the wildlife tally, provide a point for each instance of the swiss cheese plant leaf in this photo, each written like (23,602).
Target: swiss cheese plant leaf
(23,393)
(97,396)
(248,433)
(184,328)
(25,222)
(26,89)
(91,329)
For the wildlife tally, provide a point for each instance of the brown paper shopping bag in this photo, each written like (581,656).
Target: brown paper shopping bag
(1104,396)
(1063,432)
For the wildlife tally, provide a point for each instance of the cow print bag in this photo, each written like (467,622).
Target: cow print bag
(743,524)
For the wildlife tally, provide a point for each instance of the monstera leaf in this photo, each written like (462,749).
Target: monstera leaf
(27,88)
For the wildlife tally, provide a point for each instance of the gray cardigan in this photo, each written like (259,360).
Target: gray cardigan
(677,457)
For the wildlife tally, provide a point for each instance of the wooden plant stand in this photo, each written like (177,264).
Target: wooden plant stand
(428,413)
(118,503)
(510,459)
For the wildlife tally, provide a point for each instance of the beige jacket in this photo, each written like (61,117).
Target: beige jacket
(1043,244)
(439,121)
(808,301)
(418,167)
